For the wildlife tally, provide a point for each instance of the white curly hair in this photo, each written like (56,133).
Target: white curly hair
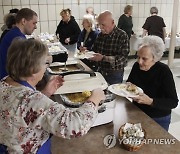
(155,44)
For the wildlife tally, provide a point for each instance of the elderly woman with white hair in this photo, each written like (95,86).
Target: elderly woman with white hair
(87,37)
(156,80)
(88,34)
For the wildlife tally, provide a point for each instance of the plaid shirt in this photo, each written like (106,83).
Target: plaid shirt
(115,48)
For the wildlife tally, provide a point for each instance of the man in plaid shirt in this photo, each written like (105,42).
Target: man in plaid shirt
(112,49)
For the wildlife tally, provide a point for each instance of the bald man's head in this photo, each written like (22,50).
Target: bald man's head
(106,22)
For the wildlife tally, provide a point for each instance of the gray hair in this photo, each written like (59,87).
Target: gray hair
(25,57)
(155,44)
(127,9)
(90,19)
(154,10)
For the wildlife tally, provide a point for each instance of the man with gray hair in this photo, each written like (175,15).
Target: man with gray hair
(112,49)
(154,25)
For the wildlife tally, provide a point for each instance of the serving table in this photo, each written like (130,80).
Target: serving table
(125,111)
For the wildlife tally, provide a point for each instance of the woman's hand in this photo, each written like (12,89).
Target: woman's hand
(53,84)
(143,99)
(97,96)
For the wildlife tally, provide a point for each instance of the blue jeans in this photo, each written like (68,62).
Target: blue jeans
(113,77)
(164,121)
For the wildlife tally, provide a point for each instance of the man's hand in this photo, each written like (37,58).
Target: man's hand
(82,49)
(97,57)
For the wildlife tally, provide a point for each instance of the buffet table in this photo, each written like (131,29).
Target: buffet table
(124,112)
(136,41)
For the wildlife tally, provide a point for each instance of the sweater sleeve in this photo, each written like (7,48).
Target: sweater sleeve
(41,112)
(132,74)
(80,39)
(120,22)
(74,37)
(57,30)
(170,99)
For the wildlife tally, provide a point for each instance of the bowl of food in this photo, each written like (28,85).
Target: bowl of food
(132,136)
(75,99)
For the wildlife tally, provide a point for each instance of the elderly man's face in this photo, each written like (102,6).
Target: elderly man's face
(145,58)
(106,24)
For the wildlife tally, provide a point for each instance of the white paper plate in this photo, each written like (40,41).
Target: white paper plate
(86,55)
(120,90)
(69,62)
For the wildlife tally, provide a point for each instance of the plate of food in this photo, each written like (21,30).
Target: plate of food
(55,49)
(125,89)
(84,55)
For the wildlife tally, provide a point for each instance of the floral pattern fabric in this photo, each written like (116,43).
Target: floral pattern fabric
(27,118)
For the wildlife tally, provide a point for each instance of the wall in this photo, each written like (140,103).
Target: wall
(48,10)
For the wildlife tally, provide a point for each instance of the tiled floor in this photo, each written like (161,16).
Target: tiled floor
(175,118)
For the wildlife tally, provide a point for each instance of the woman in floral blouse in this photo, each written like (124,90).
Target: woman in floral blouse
(28,117)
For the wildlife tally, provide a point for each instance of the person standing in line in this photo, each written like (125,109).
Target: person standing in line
(154,25)
(26,20)
(90,10)
(156,80)
(10,22)
(68,30)
(125,21)
(112,49)
(12,11)
(87,38)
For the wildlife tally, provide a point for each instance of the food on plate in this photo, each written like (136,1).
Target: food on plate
(132,136)
(54,48)
(80,53)
(132,88)
(61,68)
(120,86)
(79,97)
(85,54)
(127,87)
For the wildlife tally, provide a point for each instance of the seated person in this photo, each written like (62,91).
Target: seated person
(87,37)
(156,80)
(28,117)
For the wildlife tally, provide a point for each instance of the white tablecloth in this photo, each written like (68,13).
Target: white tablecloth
(136,41)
